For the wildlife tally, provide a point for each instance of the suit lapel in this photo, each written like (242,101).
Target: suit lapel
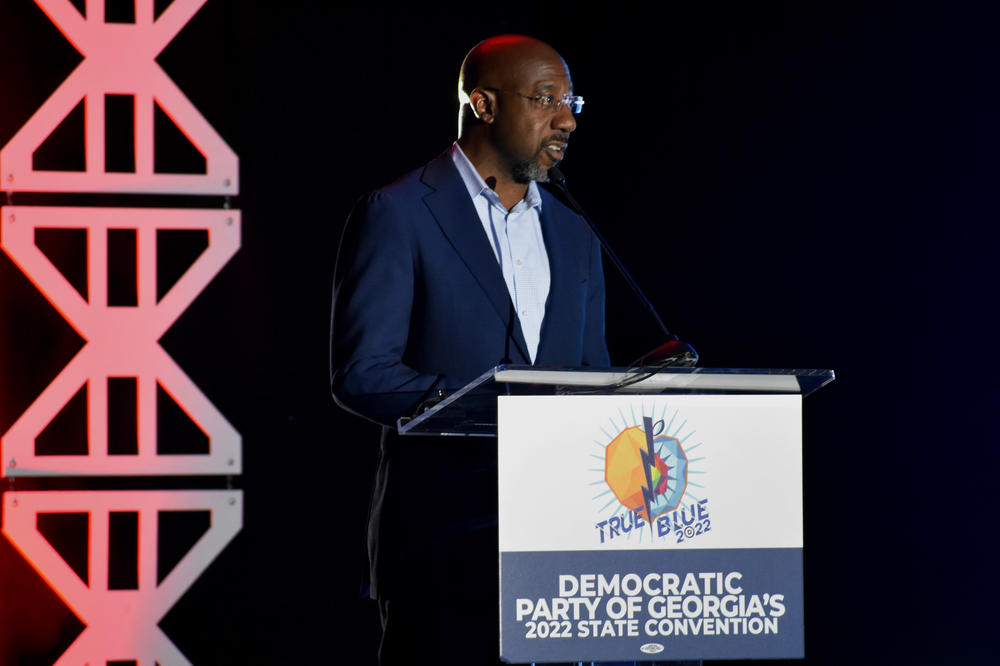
(456,215)
(555,248)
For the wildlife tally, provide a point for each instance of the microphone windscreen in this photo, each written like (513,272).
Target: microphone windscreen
(556,177)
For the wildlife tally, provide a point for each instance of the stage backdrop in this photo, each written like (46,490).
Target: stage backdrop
(794,186)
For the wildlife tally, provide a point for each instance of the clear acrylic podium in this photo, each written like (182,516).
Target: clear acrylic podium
(643,514)
(471,411)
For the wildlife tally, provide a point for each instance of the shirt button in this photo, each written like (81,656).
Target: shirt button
(524,313)
(519,262)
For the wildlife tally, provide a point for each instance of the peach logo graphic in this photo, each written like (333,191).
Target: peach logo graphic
(637,471)
(648,473)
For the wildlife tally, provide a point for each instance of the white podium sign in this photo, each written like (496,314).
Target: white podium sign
(650,527)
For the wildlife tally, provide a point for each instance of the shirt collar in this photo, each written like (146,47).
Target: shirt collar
(475,184)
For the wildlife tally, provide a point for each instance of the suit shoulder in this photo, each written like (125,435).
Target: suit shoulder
(407,186)
(388,210)
(399,194)
(412,185)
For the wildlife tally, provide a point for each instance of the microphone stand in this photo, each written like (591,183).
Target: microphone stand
(674,352)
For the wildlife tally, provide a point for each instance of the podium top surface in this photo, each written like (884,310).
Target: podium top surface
(471,411)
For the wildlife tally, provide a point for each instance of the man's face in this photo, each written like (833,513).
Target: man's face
(530,138)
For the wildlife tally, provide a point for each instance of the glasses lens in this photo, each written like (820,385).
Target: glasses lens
(575,104)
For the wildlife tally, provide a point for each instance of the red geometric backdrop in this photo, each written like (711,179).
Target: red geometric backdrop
(122,377)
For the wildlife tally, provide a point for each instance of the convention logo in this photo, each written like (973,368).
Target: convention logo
(652,487)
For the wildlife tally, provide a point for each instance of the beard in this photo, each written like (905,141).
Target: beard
(529,170)
(525,171)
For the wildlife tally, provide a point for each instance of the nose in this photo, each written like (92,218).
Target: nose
(564,119)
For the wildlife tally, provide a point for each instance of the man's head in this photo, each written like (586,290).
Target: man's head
(514,116)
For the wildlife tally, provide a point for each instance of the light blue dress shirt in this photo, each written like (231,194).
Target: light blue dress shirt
(516,239)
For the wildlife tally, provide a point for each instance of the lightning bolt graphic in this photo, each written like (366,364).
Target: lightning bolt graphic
(648,464)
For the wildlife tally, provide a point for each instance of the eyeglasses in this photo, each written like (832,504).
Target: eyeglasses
(550,102)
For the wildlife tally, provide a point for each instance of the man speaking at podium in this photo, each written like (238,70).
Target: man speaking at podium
(456,267)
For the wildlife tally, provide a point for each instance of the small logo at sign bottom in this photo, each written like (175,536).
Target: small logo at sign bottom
(651,648)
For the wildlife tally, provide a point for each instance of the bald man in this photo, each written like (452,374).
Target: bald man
(458,266)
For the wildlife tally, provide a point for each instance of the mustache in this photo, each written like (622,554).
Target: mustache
(557,138)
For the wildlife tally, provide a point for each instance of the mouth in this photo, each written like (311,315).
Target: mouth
(555,149)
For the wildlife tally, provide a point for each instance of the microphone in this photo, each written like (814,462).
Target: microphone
(674,352)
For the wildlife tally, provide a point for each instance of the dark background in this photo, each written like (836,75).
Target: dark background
(794,185)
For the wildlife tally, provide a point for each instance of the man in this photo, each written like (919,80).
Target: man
(456,267)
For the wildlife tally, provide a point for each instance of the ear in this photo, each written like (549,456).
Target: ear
(483,104)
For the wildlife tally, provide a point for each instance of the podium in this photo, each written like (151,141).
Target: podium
(644,514)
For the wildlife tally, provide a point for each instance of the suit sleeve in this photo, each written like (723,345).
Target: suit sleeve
(595,349)
(372,305)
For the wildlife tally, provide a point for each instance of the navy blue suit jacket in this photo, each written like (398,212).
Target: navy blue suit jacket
(420,304)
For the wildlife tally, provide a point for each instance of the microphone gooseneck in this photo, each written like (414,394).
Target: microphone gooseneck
(674,352)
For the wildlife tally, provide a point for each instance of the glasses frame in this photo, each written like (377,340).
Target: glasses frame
(549,102)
